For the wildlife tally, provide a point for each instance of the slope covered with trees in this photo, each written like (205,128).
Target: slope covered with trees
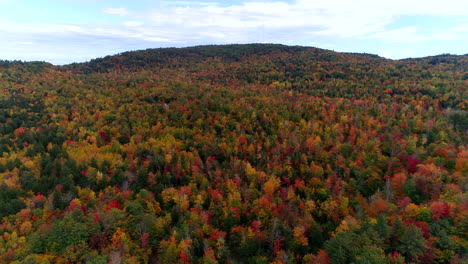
(235,154)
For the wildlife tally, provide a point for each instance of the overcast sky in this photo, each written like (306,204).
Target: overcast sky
(66,31)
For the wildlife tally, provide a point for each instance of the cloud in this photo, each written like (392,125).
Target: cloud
(186,3)
(402,53)
(71,30)
(133,23)
(185,23)
(400,35)
(66,43)
(116,11)
(333,18)
(463,28)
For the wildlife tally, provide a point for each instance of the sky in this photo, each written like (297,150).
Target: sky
(66,31)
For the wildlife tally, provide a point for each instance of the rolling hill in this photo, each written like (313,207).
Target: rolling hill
(256,153)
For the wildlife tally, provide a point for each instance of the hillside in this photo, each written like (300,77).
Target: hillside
(256,153)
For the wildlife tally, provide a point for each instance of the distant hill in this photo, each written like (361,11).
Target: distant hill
(133,60)
(158,57)
(33,66)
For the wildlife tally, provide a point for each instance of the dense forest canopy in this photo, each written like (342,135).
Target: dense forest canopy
(254,153)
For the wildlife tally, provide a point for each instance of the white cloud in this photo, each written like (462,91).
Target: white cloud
(116,11)
(26,43)
(133,23)
(131,32)
(400,54)
(332,18)
(463,28)
(186,23)
(186,3)
(400,35)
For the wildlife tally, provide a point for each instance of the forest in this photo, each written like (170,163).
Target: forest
(256,153)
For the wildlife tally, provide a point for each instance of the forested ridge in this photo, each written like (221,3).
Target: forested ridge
(255,153)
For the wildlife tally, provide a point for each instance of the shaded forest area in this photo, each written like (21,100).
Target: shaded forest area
(252,153)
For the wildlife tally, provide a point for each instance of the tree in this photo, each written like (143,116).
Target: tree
(10,200)
(371,256)
(341,248)
(383,230)
(411,243)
